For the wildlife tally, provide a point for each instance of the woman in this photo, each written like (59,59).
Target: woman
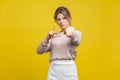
(62,47)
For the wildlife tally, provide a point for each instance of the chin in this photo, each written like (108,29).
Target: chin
(64,27)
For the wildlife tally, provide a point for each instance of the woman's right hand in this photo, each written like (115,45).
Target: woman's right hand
(51,33)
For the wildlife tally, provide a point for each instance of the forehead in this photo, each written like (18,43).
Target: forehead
(60,15)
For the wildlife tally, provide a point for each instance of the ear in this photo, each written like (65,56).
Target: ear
(69,19)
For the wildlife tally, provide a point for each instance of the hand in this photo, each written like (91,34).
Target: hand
(69,31)
(52,32)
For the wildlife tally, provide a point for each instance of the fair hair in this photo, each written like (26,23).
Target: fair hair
(64,11)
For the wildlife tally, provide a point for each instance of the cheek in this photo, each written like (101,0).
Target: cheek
(58,23)
(67,22)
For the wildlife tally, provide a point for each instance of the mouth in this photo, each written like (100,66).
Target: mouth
(62,25)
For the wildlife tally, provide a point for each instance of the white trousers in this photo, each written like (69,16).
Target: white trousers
(62,70)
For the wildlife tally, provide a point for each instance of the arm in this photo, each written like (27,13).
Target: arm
(44,46)
(46,43)
(76,37)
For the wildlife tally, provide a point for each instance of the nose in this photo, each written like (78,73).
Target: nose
(62,21)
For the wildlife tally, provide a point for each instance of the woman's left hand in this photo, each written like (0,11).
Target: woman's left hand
(69,31)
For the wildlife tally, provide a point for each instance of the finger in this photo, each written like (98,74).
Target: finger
(54,28)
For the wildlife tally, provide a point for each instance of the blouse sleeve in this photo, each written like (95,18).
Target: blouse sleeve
(76,37)
(43,47)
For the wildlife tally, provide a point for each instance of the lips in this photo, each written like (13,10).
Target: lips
(62,24)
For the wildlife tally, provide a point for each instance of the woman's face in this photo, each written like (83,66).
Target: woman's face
(62,21)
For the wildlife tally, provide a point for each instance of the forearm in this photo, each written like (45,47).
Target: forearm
(43,46)
(76,37)
(46,40)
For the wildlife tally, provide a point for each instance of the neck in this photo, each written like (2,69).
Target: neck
(63,30)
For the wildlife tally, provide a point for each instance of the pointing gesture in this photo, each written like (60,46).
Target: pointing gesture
(69,31)
(52,32)
(54,28)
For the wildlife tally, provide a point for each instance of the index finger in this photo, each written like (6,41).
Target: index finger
(54,28)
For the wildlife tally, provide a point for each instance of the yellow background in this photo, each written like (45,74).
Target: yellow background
(24,23)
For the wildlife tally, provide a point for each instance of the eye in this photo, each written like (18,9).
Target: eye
(64,17)
(58,19)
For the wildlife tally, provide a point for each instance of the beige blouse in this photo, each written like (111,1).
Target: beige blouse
(61,47)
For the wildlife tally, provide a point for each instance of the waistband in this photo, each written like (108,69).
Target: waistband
(62,62)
